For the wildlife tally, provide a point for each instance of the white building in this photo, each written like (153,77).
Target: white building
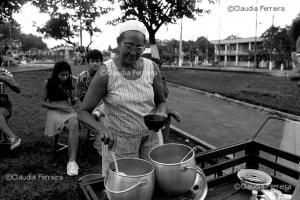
(237,52)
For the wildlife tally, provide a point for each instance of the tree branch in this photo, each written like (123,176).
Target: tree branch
(89,44)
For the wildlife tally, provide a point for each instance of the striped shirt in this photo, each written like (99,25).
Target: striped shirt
(128,101)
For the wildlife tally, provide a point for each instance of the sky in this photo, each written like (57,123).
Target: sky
(227,17)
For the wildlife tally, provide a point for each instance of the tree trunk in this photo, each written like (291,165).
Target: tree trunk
(153,45)
(152,37)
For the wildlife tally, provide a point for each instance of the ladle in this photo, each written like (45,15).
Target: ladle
(116,164)
(188,154)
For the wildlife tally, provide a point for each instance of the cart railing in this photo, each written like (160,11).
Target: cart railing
(251,154)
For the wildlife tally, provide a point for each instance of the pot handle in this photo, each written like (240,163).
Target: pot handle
(142,182)
(197,169)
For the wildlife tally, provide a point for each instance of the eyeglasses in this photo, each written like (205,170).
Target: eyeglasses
(130,47)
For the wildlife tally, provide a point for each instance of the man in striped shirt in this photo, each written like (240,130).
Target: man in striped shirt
(7,81)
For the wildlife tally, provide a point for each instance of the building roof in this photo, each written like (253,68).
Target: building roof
(240,40)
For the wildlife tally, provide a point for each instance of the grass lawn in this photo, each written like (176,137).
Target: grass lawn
(260,89)
(33,159)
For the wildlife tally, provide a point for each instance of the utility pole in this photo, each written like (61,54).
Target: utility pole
(80,24)
(219,47)
(255,48)
(10,34)
(80,31)
(271,48)
(180,46)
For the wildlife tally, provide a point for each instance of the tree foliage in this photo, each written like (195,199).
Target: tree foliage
(30,41)
(154,13)
(205,48)
(8,7)
(12,32)
(58,28)
(232,37)
(168,50)
(277,41)
(294,31)
(68,15)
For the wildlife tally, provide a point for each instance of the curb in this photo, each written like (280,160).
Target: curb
(277,73)
(261,108)
(30,70)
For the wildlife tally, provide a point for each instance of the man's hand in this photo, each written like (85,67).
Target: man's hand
(163,114)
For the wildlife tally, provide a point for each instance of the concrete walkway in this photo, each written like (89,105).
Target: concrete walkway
(29,67)
(219,122)
(274,72)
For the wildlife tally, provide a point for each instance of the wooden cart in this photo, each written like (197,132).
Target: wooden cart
(220,167)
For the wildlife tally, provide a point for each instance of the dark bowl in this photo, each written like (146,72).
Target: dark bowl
(154,122)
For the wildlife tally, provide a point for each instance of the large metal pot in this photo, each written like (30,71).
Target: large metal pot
(174,176)
(138,183)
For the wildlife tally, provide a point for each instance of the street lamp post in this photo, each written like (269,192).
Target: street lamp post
(219,47)
(271,51)
(80,31)
(255,48)
(180,46)
(10,34)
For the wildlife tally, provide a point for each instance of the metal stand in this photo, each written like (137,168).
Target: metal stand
(57,145)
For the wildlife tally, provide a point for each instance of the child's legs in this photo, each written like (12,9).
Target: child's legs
(73,127)
(4,113)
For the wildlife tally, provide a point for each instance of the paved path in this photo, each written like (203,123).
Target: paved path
(235,69)
(219,122)
(29,67)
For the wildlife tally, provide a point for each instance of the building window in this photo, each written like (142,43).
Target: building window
(222,47)
(244,46)
(232,47)
(243,58)
(231,58)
